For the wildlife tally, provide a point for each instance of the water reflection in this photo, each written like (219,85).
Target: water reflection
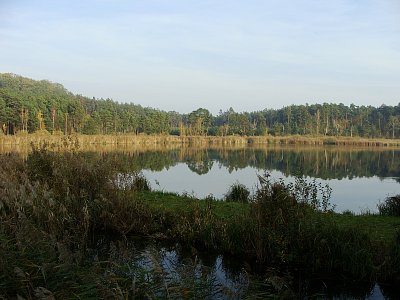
(357,194)
(329,162)
(166,269)
(359,177)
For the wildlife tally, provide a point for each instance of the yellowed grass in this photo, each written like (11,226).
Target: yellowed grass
(169,140)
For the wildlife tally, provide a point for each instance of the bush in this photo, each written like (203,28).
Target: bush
(277,216)
(237,193)
(141,183)
(390,207)
(132,181)
(293,226)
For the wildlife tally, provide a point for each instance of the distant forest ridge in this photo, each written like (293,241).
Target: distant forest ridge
(27,105)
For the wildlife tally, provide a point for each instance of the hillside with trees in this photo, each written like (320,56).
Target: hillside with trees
(28,105)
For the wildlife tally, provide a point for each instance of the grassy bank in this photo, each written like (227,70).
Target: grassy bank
(375,235)
(379,228)
(147,140)
(53,206)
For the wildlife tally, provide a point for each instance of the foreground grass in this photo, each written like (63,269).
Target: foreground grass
(375,237)
(171,203)
(53,206)
(379,228)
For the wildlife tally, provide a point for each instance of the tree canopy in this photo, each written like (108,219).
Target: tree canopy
(30,105)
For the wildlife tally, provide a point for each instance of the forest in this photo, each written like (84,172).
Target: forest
(28,106)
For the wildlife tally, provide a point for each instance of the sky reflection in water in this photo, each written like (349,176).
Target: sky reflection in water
(359,194)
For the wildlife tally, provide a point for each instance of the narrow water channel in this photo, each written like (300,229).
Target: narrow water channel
(166,268)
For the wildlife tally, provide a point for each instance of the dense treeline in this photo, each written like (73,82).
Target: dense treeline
(27,105)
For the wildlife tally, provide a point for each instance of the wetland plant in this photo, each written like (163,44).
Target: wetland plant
(390,207)
(292,228)
(238,193)
(53,204)
(133,181)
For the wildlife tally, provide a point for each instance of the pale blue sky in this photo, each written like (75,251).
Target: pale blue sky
(181,55)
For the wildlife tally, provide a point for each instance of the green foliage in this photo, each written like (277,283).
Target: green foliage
(141,183)
(50,207)
(22,100)
(237,193)
(314,194)
(390,207)
(277,216)
(290,231)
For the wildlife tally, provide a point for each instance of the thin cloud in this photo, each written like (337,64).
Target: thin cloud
(214,54)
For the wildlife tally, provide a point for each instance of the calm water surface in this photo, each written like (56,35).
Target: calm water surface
(358,194)
(359,178)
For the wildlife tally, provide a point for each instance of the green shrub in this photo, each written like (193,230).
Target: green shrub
(294,229)
(140,183)
(237,193)
(390,207)
(277,216)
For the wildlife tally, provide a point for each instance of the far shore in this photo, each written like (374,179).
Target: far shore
(147,140)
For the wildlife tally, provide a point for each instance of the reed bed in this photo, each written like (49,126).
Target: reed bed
(148,140)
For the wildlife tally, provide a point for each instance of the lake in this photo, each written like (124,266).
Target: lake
(359,177)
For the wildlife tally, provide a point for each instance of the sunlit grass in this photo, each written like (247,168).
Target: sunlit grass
(58,140)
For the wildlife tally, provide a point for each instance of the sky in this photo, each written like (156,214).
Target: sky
(184,54)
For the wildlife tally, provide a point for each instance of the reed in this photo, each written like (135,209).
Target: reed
(57,140)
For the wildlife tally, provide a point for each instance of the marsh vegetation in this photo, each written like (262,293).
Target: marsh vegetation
(66,226)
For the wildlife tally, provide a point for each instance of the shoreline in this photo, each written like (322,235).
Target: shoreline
(129,139)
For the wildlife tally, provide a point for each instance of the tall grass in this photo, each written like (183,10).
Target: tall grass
(142,139)
(53,205)
(292,227)
(238,193)
(390,207)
